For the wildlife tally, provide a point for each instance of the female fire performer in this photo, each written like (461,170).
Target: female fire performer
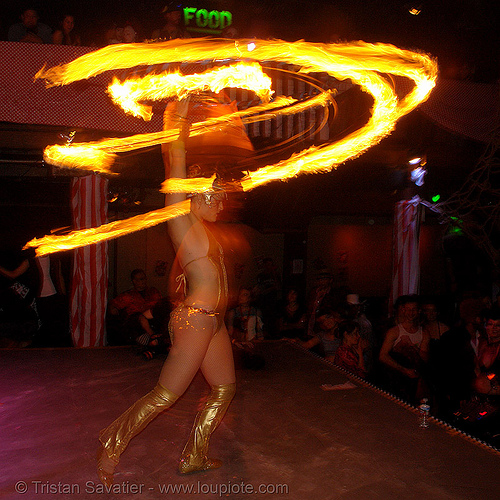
(199,336)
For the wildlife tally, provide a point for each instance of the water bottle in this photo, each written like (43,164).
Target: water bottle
(424,410)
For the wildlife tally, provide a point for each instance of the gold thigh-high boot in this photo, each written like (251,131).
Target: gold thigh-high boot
(115,438)
(194,456)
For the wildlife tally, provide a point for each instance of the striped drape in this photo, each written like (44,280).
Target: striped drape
(89,284)
(406,262)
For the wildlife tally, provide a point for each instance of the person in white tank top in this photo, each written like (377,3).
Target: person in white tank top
(406,339)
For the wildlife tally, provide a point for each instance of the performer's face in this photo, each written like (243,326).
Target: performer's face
(210,208)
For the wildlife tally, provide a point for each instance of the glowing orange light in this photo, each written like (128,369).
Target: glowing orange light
(127,94)
(361,62)
(57,243)
(99,156)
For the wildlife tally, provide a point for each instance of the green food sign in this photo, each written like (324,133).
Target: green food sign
(204,21)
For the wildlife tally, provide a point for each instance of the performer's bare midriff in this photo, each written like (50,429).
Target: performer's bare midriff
(199,336)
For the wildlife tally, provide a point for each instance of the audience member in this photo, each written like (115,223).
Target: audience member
(354,312)
(430,322)
(135,307)
(174,26)
(405,350)
(129,34)
(326,337)
(19,319)
(52,304)
(292,319)
(66,34)
(320,298)
(349,354)
(29,30)
(487,381)
(244,328)
(114,34)
(244,321)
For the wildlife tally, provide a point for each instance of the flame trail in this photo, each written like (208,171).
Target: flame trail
(127,94)
(361,62)
(99,156)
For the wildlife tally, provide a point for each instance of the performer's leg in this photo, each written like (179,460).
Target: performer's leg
(115,438)
(218,369)
(192,336)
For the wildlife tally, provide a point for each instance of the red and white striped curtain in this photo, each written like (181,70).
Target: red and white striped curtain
(89,286)
(406,263)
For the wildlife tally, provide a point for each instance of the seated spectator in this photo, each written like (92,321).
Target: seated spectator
(66,34)
(349,355)
(29,30)
(326,337)
(134,311)
(324,296)
(354,312)
(487,382)
(174,27)
(244,328)
(405,350)
(129,34)
(292,319)
(114,34)
(244,321)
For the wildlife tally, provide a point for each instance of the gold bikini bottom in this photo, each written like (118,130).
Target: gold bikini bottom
(191,310)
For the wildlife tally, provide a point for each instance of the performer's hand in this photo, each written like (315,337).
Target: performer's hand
(175,117)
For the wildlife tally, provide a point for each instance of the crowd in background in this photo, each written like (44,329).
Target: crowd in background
(412,352)
(68,31)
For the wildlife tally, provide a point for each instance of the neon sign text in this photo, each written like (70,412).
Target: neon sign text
(204,21)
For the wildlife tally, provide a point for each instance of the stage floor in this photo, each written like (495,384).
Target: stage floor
(283,436)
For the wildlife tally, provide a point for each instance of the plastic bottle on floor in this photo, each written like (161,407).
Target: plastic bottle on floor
(424,411)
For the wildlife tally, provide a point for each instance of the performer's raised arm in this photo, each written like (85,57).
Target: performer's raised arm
(174,160)
(174,154)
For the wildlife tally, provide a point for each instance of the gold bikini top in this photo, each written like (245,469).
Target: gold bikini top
(215,255)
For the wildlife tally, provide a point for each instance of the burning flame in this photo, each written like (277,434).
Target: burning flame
(99,156)
(247,76)
(361,62)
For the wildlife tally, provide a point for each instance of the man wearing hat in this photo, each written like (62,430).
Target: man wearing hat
(173,13)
